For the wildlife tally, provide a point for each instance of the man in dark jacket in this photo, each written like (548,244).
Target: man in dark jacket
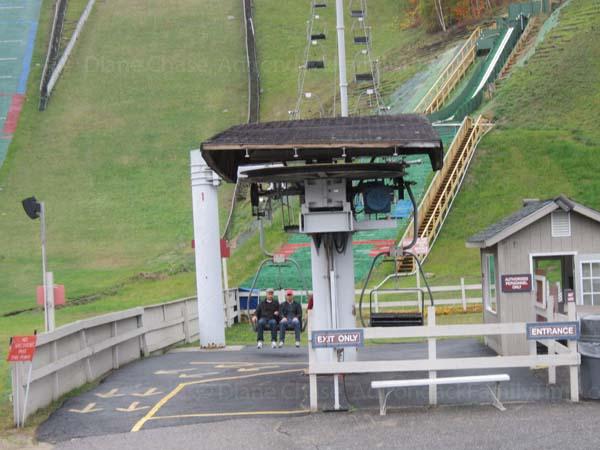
(266,313)
(291,318)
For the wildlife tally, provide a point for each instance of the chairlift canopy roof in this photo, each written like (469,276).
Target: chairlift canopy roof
(321,140)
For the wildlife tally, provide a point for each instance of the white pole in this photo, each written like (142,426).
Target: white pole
(16,372)
(44,276)
(50,301)
(341,40)
(27,392)
(225,274)
(209,281)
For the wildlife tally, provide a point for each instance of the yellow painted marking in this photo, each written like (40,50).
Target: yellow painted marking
(241,413)
(150,392)
(171,372)
(232,366)
(88,409)
(255,369)
(235,365)
(110,394)
(197,375)
(132,408)
(150,414)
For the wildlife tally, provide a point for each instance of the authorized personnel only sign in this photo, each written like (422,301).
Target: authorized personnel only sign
(553,330)
(22,348)
(516,283)
(337,338)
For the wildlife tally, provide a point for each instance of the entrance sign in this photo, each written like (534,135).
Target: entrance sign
(553,330)
(338,338)
(22,348)
(516,283)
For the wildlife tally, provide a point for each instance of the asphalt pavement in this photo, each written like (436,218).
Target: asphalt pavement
(545,426)
(251,396)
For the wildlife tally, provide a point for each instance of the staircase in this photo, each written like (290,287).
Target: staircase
(526,40)
(444,188)
(451,76)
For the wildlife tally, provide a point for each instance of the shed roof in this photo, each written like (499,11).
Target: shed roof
(321,140)
(530,213)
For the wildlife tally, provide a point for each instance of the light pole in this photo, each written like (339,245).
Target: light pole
(34,210)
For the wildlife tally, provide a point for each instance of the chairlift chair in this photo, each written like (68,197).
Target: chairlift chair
(271,262)
(363,70)
(398,317)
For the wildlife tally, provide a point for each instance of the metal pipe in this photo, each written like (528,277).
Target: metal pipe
(362,293)
(48,320)
(341,41)
(261,239)
(252,289)
(424,277)
(415,219)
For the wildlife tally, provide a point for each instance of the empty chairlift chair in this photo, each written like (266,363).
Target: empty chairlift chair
(363,70)
(393,316)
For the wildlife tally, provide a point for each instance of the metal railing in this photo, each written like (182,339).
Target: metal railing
(451,76)
(444,187)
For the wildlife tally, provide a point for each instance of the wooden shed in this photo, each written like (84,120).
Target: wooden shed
(536,260)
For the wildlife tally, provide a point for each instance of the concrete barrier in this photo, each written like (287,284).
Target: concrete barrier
(84,351)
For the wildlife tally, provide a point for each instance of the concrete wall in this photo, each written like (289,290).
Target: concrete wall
(86,350)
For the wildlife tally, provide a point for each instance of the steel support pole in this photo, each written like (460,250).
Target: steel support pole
(44,265)
(341,41)
(209,279)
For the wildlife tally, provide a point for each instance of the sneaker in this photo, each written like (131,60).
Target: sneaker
(297,344)
(259,345)
(280,344)
(273,344)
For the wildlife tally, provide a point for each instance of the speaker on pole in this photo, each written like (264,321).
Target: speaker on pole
(32,207)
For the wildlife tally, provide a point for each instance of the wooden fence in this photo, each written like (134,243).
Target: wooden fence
(558,354)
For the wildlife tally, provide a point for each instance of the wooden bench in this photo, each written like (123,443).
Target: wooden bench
(386,387)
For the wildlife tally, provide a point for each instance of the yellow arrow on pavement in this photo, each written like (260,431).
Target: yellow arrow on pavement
(197,375)
(233,365)
(110,394)
(88,409)
(255,369)
(132,408)
(172,372)
(149,393)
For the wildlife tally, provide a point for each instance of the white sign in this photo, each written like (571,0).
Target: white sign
(421,247)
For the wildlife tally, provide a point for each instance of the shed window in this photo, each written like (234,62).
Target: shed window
(590,282)
(561,224)
(489,282)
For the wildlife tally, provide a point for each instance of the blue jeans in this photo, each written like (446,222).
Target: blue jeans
(289,325)
(260,328)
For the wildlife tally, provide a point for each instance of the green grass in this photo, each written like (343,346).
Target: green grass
(146,83)
(110,155)
(546,141)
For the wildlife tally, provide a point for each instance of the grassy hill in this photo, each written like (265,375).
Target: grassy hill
(110,156)
(546,141)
